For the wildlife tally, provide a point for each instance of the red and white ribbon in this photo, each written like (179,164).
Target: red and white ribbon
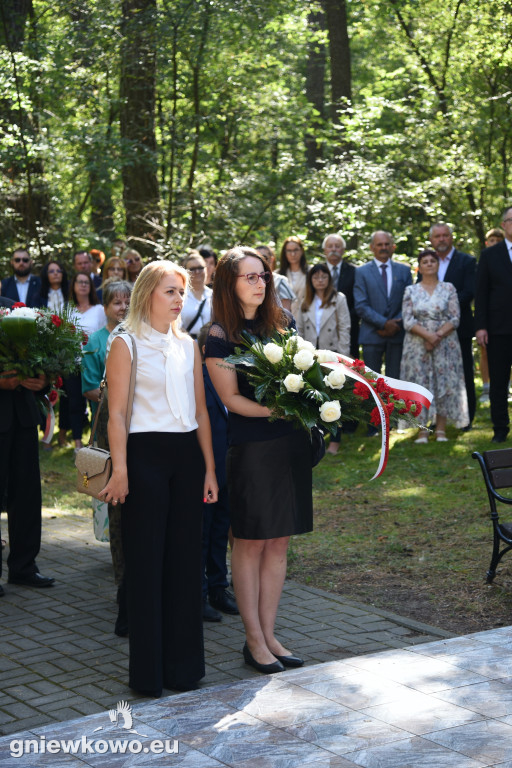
(50,424)
(402,389)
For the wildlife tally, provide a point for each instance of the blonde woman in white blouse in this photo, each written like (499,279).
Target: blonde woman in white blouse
(162,471)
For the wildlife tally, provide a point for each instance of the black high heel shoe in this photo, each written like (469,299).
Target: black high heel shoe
(290,661)
(267,669)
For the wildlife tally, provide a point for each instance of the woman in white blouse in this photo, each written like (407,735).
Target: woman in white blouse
(54,286)
(295,267)
(324,320)
(197,308)
(162,471)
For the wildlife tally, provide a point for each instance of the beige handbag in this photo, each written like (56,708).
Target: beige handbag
(94,465)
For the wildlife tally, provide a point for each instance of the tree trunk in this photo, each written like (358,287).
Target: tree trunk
(137,119)
(196,100)
(339,48)
(315,89)
(31,204)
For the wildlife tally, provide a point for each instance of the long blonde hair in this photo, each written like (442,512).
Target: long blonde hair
(140,302)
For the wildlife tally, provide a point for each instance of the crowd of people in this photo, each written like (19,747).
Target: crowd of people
(196,460)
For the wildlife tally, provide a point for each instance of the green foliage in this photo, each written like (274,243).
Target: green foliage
(427,137)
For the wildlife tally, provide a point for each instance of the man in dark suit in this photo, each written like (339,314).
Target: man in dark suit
(343,274)
(19,476)
(378,292)
(82,262)
(459,269)
(23,286)
(493,319)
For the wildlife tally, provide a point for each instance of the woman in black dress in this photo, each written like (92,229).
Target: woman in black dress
(268,463)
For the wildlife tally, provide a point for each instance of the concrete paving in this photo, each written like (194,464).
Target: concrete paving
(60,660)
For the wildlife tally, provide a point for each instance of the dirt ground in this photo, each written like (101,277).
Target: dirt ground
(461,609)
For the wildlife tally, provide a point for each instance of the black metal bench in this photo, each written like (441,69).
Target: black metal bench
(496,468)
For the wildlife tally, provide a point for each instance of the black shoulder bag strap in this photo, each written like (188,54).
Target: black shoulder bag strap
(196,318)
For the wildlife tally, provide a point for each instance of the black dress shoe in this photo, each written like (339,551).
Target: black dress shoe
(290,661)
(499,437)
(182,687)
(121,626)
(209,613)
(34,580)
(267,669)
(149,694)
(2,591)
(224,601)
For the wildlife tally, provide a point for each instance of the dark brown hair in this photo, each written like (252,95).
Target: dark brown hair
(330,290)
(93,298)
(284,263)
(427,252)
(226,306)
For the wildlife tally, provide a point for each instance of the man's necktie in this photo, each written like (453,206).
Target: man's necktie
(335,273)
(384,277)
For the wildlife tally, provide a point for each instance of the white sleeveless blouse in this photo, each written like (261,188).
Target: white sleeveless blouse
(164,398)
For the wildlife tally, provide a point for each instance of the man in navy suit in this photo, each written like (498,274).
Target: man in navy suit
(23,286)
(343,274)
(459,269)
(493,319)
(378,292)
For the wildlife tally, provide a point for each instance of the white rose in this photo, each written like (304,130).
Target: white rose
(335,379)
(24,312)
(303,344)
(293,382)
(330,411)
(326,356)
(273,353)
(303,360)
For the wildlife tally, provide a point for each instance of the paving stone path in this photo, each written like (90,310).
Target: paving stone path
(60,660)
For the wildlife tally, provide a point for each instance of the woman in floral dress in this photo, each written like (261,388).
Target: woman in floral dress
(431,354)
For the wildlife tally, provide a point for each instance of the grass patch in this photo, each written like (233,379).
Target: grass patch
(416,541)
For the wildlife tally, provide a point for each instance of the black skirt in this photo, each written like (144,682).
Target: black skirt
(270,487)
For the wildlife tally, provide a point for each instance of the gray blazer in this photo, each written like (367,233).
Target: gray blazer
(372,304)
(334,327)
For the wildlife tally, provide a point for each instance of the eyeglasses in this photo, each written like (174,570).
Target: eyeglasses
(55,271)
(82,282)
(193,270)
(320,276)
(19,259)
(509,219)
(253,277)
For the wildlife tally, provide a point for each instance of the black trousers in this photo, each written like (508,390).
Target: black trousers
(215,543)
(162,520)
(499,354)
(466,347)
(19,474)
(72,406)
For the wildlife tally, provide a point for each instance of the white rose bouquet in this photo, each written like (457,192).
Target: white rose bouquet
(288,378)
